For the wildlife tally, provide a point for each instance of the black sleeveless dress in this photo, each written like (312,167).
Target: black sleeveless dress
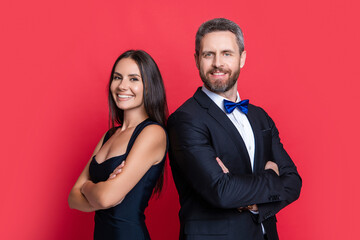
(127,219)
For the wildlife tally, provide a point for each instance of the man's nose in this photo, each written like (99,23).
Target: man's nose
(217,61)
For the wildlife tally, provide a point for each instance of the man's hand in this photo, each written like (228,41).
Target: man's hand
(253,208)
(221,164)
(117,171)
(273,166)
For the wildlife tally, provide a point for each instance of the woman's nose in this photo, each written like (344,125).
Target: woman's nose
(123,84)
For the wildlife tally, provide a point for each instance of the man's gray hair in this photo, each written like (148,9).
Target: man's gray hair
(216,25)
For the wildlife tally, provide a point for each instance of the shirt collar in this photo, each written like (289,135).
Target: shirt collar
(217,99)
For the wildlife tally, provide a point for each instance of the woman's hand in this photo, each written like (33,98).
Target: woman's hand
(116,171)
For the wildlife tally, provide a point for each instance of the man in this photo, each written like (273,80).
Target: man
(229,166)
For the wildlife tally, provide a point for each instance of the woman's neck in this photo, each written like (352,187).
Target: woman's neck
(133,118)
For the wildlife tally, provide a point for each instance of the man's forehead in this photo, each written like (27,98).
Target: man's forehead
(219,40)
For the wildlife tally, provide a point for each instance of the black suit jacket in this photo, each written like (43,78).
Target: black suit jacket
(199,132)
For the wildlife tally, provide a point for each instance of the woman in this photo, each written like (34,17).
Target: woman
(119,192)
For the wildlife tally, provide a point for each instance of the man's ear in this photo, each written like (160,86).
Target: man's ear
(242,59)
(196,60)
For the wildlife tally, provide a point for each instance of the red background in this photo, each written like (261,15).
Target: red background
(302,67)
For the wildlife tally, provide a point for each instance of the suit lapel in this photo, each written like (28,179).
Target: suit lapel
(215,112)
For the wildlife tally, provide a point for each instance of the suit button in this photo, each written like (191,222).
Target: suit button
(274,198)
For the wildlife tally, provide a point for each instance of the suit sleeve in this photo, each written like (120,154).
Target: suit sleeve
(289,176)
(192,156)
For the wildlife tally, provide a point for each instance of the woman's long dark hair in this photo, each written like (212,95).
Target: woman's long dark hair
(154,95)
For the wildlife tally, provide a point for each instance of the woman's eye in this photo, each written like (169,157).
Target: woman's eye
(134,79)
(116,78)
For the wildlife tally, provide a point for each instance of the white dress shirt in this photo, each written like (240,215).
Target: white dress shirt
(240,121)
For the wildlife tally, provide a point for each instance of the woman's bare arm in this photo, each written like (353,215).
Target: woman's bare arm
(148,149)
(76,199)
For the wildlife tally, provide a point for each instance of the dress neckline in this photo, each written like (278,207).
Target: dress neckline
(109,159)
(127,148)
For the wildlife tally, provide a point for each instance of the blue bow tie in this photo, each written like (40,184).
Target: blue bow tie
(242,105)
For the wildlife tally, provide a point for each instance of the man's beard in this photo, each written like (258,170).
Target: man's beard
(219,86)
